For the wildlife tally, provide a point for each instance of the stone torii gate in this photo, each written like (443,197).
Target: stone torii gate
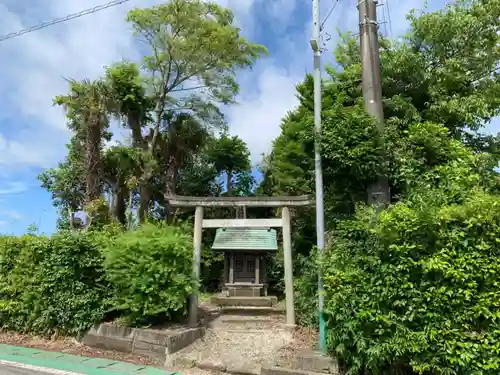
(199,203)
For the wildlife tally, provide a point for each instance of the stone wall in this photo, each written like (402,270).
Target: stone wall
(147,342)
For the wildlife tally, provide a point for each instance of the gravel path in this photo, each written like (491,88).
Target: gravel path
(227,349)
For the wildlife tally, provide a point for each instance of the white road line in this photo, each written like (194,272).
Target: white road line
(37,368)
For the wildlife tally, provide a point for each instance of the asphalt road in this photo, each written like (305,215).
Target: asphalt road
(8,370)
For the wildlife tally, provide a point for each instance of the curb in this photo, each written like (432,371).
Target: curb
(72,363)
(228,369)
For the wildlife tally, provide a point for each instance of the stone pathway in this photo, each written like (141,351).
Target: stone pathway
(234,351)
(235,343)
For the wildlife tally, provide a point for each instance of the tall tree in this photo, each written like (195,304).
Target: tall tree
(132,106)
(182,137)
(170,106)
(87,105)
(195,52)
(230,156)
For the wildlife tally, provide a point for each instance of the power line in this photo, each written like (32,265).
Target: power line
(384,21)
(389,16)
(62,19)
(328,14)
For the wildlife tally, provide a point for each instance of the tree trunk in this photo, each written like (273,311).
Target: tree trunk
(93,160)
(144,199)
(229,183)
(120,204)
(134,124)
(129,211)
(71,219)
(170,187)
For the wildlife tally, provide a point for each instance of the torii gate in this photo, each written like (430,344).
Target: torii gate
(284,222)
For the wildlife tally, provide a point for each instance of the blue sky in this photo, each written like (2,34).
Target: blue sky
(33,132)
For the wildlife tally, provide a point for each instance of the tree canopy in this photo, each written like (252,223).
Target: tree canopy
(168,103)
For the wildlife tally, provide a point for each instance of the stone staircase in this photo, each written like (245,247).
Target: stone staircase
(247,313)
(240,338)
(245,336)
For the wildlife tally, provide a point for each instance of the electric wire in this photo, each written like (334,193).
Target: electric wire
(389,16)
(384,20)
(61,20)
(328,14)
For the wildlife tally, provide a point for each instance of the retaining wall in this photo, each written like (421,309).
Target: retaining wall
(147,342)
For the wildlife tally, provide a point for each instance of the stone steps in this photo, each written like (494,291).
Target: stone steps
(237,322)
(269,301)
(251,310)
(308,362)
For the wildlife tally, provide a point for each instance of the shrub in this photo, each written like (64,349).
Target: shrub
(51,285)
(212,268)
(150,270)
(418,289)
(306,291)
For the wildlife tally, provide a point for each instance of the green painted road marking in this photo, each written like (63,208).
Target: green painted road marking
(73,363)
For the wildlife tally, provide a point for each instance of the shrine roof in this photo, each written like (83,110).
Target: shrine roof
(245,239)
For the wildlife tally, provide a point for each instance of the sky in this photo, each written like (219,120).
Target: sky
(33,132)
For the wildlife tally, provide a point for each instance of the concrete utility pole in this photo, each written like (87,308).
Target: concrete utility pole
(320,215)
(372,87)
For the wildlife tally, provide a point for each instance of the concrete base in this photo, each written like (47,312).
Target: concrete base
(317,362)
(245,301)
(287,371)
(244,290)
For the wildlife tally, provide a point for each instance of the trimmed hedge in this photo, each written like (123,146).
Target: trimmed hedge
(51,285)
(151,273)
(419,290)
(65,283)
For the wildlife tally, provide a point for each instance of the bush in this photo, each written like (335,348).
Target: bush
(150,270)
(418,290)
(51,285)
(306,291)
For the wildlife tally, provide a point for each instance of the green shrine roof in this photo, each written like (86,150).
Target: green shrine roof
(245,239)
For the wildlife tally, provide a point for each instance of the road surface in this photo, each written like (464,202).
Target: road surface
(10,370)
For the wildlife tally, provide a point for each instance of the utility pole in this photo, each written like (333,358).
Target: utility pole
(379,193)
(320,215)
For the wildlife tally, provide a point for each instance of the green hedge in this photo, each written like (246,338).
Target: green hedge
(419,290)
(51,285)
(151,273)
(67,282)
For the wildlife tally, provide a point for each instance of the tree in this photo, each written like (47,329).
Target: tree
(87,105)
(195,51)
(182,137)
(169,107)
(231,156)
(430,77)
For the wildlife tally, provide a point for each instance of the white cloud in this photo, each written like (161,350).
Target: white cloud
(11,214)
(39,61)
(33,132)
(257,119)
(12,187)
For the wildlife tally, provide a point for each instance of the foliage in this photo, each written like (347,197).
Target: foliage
(306,291)
(150,270)
(429,77)
(440,87)
(417,287)
(212,267)
(51,285)
(169,109)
